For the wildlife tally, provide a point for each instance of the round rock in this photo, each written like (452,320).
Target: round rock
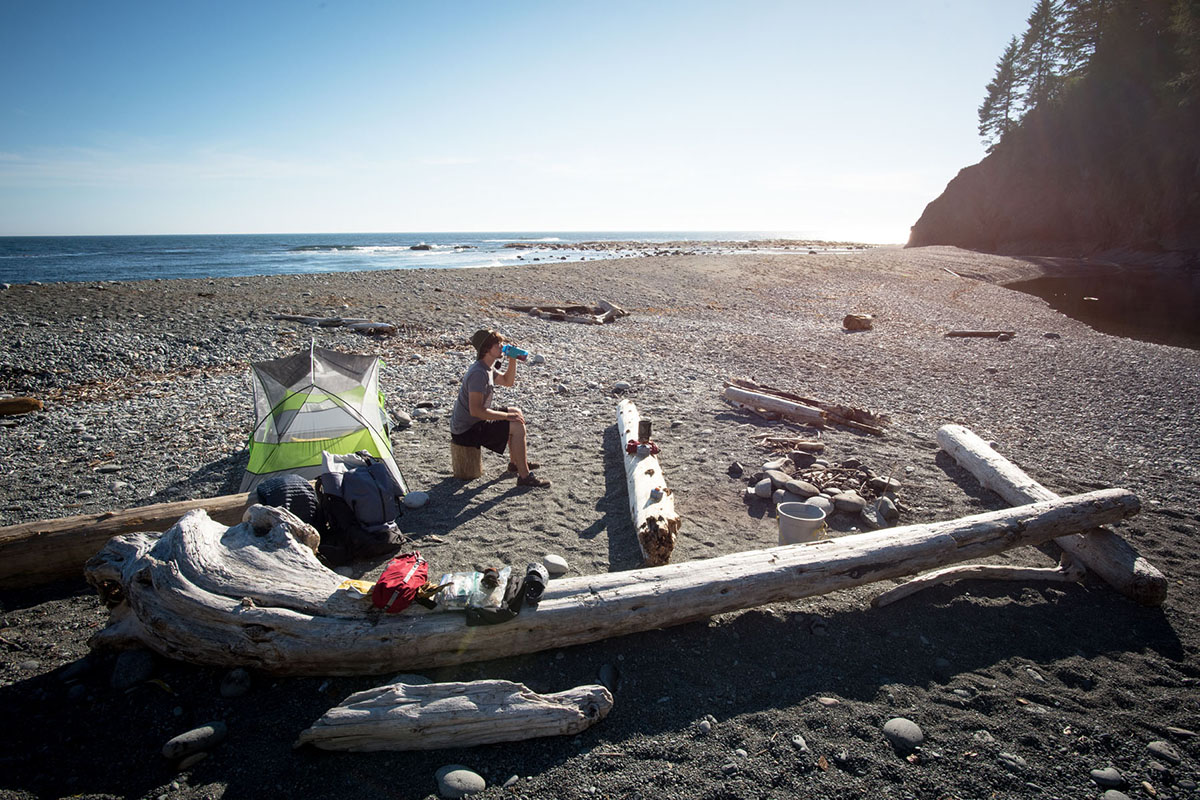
(778,463)
(1113,794)
(880,484)
(455,780)
(778,478)
(1108,778)
(1165,751)
(850,502)
(415,499)
(764,488)
(555,565)
(801,488)
(887,509)
(194,741)
(622,386)
(821,502)
(904,734)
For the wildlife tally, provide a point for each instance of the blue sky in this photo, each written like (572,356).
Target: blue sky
(835,120)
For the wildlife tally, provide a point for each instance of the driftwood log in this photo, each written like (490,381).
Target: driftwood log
(654,517)
(788,408)
(400,716)
(980,334)
(13,406)
(1103,552)
(863,419)
(601,313)
(33,553)
(236,597)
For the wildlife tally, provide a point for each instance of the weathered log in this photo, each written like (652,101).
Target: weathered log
(399,716)
(1105,553)
(862,419)
(980,334)
(654,518)
(12,406)
(33,553)
(197,593)
(766,402)
(1070,572)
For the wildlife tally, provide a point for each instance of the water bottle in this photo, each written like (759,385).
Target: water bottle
(512,351)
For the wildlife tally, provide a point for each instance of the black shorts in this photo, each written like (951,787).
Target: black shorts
(489,433)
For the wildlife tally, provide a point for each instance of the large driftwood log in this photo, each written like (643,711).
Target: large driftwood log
(1105,553)
(788,408)
(33,553)
(654,520)
(228,597)
(399,716)
(863,419)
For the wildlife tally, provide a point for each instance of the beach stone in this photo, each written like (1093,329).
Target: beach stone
(887,509)
(132,667)
(415,499)
(537,358)
(736,470)
(555,565)
(799,743)
(455,780)
(1012,762)
(402,419)
(1181,732)
(422,414)
(1165,751)
(821,502)
(776,464)
(622,386)
(118,486)
(778,478)
(751,495)
(858,322)
(764,488)
(197,739)
(191,761)
(1113,794)
(235,683)
(850,502)
(871,517)
(610,678)
(903,734)
(1108,778)
(801,488)
(704,726)
(880,484)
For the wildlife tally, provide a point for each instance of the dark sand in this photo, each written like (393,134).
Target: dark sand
(1020,690)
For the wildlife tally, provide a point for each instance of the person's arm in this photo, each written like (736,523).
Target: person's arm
(480,411)
(509,376)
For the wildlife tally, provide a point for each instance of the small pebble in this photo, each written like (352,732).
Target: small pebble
(1113,794)
(415,499)
(828,701)
(1108,778)
(622,386)
(204,737)
(455,780)
(799,743)
(704,726)
(903,734)
(555,565)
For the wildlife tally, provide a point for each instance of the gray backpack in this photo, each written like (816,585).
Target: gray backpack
(360,497)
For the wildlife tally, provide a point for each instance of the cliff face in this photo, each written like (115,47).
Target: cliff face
(1114,163)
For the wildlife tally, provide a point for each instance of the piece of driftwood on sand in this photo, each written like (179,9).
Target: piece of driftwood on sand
(358,325)
(197,593)
(863,419)
(600,314)
(655,520)
(34,553)
(401,716)
(14,406)
(979,334)
(1070,571)
(1103,552)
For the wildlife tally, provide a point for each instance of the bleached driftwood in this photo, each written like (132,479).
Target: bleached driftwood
(654,520)
(364,326)
(766,402)
(1068,572)
(805,445)
(218,596)
(599,314)
(863,419)
(399,716)
(1103,552)
(980,334)
(33,553)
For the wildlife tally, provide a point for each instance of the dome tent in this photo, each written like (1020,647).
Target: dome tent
(316,400)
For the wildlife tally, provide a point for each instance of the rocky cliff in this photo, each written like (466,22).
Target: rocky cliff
(1113,163)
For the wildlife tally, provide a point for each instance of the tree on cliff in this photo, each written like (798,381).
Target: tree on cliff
(1001,107)
(1038,56)
(1082,23)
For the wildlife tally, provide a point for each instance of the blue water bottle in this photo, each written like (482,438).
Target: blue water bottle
(513,351)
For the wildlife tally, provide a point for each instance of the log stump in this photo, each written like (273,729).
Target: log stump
(466,462)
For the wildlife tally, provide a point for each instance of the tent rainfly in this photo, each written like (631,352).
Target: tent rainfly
(317,400)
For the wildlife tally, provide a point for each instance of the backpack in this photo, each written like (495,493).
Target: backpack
(361,500)
(397,586)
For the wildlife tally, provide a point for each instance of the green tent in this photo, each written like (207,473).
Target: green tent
(317,400)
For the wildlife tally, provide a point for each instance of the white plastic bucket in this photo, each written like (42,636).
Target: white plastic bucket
(799,522)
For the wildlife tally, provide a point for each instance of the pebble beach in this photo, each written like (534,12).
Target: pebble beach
(1001,689)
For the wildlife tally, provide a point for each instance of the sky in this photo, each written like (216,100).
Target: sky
(835,120)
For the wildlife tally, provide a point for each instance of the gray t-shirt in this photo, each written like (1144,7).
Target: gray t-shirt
(479,378)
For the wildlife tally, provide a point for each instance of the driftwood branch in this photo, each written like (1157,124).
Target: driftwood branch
(1103,552)
(858,418)
(433,716)
(980,334)
(196,593)
(654,517)
(756,401)
(1070,572)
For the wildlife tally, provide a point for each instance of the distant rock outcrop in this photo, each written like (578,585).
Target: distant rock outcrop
(1113,164)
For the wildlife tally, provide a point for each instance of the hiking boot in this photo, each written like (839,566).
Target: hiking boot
(513,467)
(534,481)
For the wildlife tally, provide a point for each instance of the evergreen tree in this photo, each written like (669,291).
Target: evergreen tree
(1039,54)
(1082,22)
(1000,110)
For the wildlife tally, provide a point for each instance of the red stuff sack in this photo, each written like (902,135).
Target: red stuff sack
(397,586)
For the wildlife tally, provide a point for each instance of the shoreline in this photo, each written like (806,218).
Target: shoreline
(152,394)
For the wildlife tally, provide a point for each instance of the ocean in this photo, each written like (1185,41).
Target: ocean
(24,259)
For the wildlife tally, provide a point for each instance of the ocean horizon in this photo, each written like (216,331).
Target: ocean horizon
(53,259)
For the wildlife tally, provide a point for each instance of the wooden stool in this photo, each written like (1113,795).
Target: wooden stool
(466,462)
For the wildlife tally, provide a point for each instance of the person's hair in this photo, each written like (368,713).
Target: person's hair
(483,340)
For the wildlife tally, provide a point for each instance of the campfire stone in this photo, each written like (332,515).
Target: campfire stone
(823,503)
(764,488)
(850,502)
(801,488)
(776,464)
(455,780)
(884,484)
(887,508)
(778,479)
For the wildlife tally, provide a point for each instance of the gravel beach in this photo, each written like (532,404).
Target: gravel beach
(1018,689)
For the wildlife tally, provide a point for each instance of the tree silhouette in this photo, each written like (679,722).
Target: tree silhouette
(1038,55)
(1000,110)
